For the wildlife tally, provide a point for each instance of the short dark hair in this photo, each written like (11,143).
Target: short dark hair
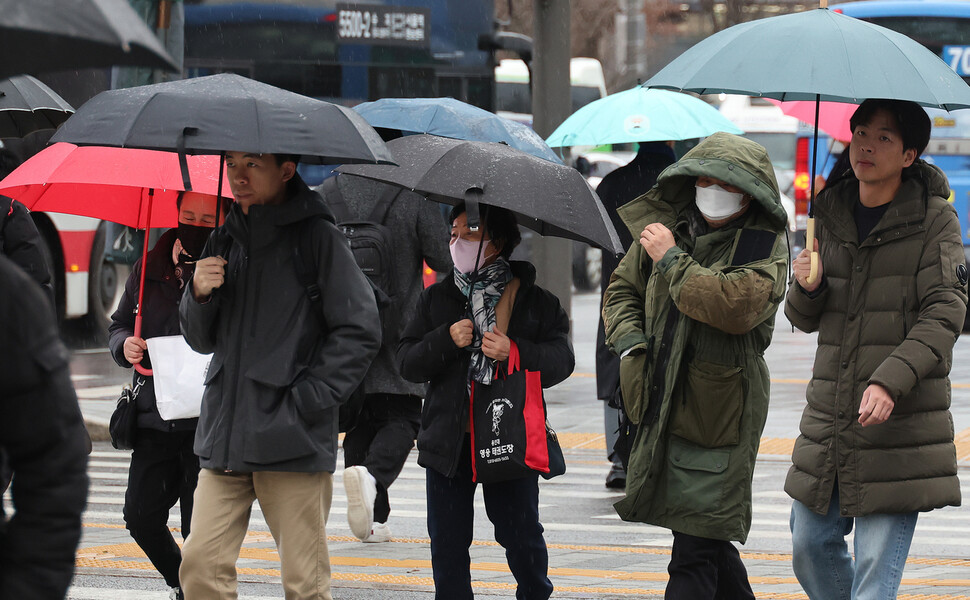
(910,119)
(282,158)
(500,225)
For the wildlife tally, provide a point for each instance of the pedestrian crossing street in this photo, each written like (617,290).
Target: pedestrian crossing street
(593,554)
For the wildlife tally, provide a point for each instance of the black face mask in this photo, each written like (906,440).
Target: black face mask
(193,239)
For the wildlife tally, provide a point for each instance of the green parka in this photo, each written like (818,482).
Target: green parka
(889,311)
(696,325)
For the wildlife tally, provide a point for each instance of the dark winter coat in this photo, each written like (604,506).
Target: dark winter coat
(616,189)
(426,353)
(696,325)
(43,436)
(160,317)
(22,243)
(279,371)
(420,234)
(889,311)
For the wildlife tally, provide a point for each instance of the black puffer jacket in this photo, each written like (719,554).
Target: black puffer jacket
(277,377)
(160,317)
(538,325)
(43,436)
(22,243)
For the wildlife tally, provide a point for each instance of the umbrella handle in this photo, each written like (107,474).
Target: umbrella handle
(138,367)
(810,243)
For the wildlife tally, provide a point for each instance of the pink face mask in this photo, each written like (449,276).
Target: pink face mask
(465,254)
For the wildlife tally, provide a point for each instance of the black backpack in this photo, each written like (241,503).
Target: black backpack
(372,243)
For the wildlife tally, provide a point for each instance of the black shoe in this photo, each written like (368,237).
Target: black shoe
(616,478)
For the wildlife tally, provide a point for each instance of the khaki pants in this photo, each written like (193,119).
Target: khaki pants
(295,506)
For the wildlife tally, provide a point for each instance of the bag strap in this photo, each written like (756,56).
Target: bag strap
(306,273)
(383,206)
(335,200)
(513,357)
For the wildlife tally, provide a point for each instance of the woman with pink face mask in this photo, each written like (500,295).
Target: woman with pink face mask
(462,332)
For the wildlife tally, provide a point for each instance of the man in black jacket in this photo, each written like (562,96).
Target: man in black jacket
(285,356)
(615,190)
(43,436)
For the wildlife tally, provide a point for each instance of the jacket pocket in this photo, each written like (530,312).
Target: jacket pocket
(696,476)
(277,432)
(633,375)
(708,411)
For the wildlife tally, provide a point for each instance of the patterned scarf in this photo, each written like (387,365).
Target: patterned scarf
(484,290)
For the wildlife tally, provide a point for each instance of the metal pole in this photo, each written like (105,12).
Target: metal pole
(550,106)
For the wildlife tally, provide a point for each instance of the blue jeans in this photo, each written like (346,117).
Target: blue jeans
(821,560)
(511,506)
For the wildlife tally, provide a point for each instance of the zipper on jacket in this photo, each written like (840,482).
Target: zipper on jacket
(239,378)
(658,385)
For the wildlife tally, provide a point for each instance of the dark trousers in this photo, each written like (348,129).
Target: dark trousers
(381,441)
(163,470)
(511,506)
(706,569)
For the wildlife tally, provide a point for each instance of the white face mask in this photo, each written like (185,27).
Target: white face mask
(465,254)
(716,203)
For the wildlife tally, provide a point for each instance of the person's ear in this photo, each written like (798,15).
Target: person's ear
(909,157)
(289,170)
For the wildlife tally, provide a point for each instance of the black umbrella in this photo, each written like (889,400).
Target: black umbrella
(209,115)
(54,35)
(549,198)
(27,105)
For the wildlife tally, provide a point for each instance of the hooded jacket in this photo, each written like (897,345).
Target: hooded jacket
(888,312)
(696,325)
(426,353)
(163,291)
(278,371)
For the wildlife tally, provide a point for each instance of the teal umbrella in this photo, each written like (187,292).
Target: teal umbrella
(817,55)
(640,115)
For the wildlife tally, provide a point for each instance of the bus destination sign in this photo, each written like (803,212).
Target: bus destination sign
(383,25)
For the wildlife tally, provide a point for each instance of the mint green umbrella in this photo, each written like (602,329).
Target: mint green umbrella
(640,115)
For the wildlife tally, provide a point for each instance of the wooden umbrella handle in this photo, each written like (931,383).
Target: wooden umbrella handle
(810,243)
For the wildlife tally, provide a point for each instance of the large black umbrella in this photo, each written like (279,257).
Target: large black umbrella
(27,105)
(225,112)
(54,35)
(549,198)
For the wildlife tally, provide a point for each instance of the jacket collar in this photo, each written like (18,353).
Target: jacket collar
(159,264)
(907,208)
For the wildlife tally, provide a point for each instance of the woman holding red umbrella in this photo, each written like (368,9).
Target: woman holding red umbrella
(164,469)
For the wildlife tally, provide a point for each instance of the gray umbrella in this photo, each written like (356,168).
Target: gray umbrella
(27,105)
(549,198)
(54,35)
(225,112)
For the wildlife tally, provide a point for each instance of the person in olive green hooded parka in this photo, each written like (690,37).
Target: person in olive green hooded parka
(691,330)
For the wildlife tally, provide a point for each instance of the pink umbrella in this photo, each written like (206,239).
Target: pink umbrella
(112,184)
(833,117)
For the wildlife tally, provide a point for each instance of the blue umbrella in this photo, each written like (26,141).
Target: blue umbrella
(641,115)
(447,117)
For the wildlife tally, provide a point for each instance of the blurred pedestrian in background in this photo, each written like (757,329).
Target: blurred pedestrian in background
(43,436)
(616,189)
(690,311)
(285,356)
(164,469)
(460,333)
(888,303)
(377,445)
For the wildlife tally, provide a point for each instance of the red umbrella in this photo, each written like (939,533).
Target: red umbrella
(833,117)
(137,188)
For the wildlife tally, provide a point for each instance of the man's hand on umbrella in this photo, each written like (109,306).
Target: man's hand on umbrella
(495,344)
(461,332)
(656,239)
(134,349)
(876,405)
(210,273)
(802,266)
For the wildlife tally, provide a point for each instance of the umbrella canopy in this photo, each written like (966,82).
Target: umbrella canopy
(452,118)
(54,35)
(833,117)
(843,60)
(641,115)
(27,105)
(225,112)
(549,198)
(109,183)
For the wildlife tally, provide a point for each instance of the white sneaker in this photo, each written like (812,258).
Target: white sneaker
(175,594)
(380,532)
(361,489)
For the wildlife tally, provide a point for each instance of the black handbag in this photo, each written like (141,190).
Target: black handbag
(557,462)
(124,419)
